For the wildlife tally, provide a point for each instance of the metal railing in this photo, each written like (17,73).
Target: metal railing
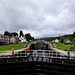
(35,53)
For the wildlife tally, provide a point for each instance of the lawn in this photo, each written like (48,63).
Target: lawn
(32,42)
(50,42)
(62,46)
(15,46)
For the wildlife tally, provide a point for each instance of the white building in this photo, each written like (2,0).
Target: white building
(55,41)
(13,40)
(22,39)
(67,41)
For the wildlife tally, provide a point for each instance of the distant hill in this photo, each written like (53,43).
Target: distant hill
(53,38)
(68,35)
(47,38)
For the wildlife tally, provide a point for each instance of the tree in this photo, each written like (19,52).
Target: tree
(28,37)
(21,34)
(73,36)
(62,39)
(15,34)
(73,41)
(66,36)
(7,33)
(32,38)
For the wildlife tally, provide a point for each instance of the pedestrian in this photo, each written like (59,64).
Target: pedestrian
(12,51)
(28,51)
(68,53)
(74,55)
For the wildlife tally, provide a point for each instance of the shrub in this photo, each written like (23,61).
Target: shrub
(73,41)
(71,49)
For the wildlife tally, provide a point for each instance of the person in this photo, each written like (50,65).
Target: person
(68,53)
(12,51)
(28,51)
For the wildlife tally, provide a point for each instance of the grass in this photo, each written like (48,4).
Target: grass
(50,42)
(62,46)
(32,42)
(15,46)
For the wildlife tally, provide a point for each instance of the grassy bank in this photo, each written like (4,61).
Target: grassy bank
(15,46)
(32,42)
(62,46)
(50,42)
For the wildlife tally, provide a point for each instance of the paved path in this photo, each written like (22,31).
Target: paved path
(64,53)
(72,53)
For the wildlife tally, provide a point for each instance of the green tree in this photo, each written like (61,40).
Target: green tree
(7,33)
(32,38)
(28,37)
(15,34)
(73,41)
(73,36)
(21,34)
(62,39)
(66,36)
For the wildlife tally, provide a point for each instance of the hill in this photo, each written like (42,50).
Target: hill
(53,38)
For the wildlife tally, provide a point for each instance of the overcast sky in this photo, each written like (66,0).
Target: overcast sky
(41,18)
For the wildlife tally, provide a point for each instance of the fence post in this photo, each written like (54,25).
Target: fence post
(52,54)
(49,54)
(17,54)
(56,53)
(36,53)
(43,54)
(42,59)
(25,53)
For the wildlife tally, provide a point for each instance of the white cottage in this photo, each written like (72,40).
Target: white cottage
(13,40)
(55,41)
(22,39)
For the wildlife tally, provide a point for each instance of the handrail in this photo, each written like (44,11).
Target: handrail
(36,53)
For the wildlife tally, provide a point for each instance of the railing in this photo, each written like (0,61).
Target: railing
(35,53)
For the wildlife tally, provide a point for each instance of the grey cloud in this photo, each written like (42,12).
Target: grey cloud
(41,18)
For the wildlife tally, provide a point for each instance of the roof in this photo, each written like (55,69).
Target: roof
(67,41)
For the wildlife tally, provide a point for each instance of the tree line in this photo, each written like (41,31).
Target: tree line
(70,37)
(21,34)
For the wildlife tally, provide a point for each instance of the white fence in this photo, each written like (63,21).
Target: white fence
(35,53)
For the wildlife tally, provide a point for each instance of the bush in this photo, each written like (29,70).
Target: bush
(62,39)
(66,43)
(71,49)
(73,42)
(2,43)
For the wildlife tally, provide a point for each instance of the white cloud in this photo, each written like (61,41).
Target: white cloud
(41,18)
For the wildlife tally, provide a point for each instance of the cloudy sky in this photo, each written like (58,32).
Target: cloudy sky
(41,18)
